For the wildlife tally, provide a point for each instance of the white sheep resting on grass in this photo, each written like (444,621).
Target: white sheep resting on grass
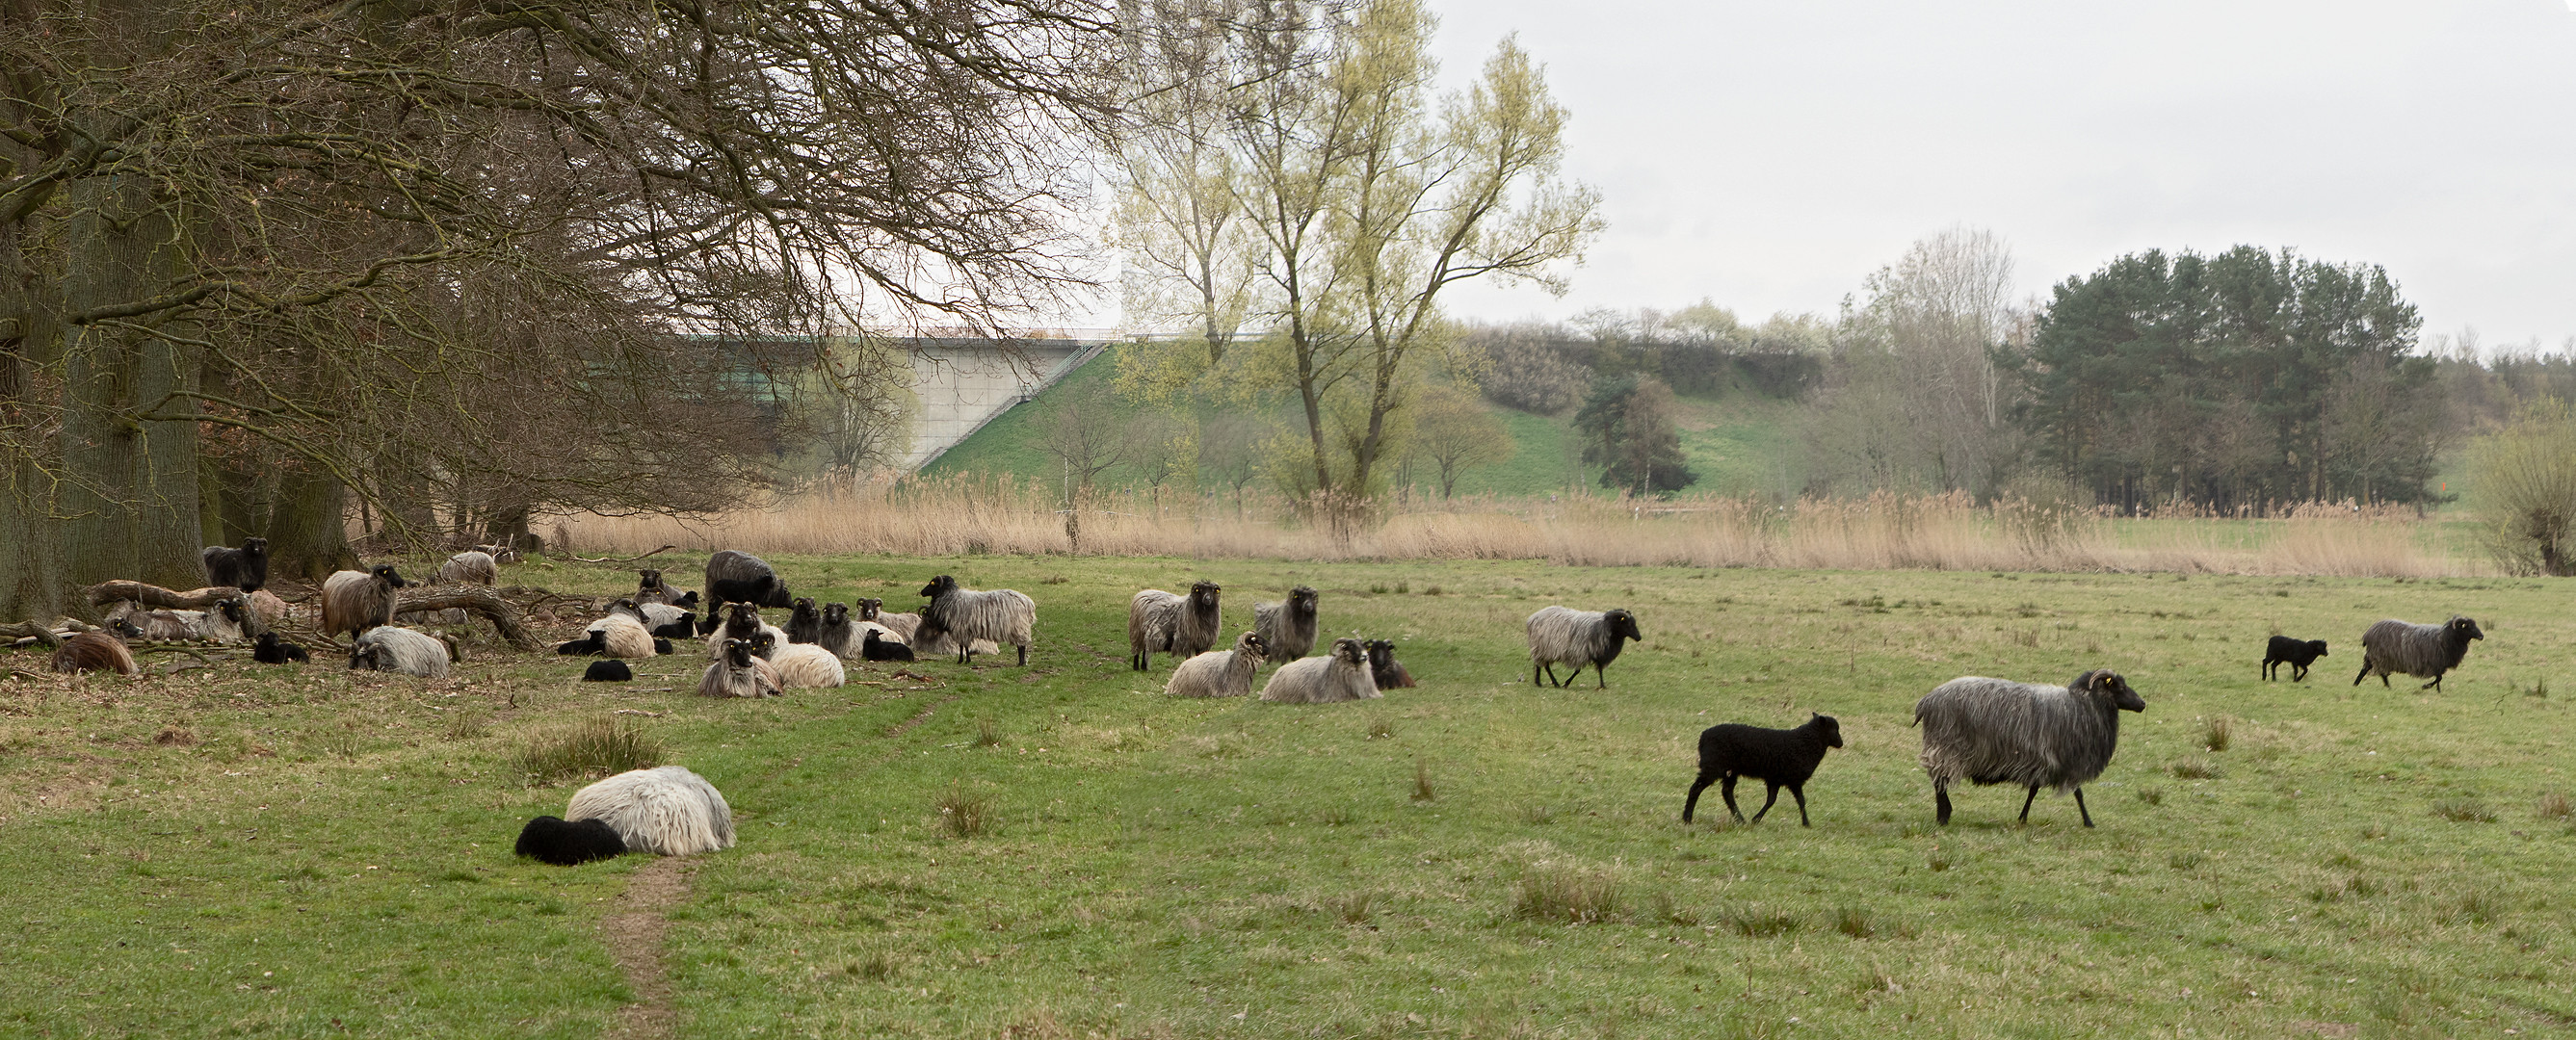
(668,811)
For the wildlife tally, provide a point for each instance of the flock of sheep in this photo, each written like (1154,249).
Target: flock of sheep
(1976,730)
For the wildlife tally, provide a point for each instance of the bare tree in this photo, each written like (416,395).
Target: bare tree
(1456,434)
(1087,434)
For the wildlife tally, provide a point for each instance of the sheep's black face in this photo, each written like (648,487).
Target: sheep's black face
(254,547)
(834,613)
(648,580)
(742,618)
(738,653)
(1380,653)
(1204,593)
(1303,597)
(762,643)
(868,609)
(1826,724)
(1624,624)
(384,572)
(2317,647)
(2466,628)
(939,586)
(1253,645)
(2110,684)
(1349,650)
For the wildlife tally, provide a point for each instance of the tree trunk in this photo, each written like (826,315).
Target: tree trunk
(31,572)
(308,536)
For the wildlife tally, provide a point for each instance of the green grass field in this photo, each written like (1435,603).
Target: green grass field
(256,852)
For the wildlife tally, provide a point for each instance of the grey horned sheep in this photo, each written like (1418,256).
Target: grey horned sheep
(668,811)
(386,648)
(1997,731)
(355,601)
(739,674)
(1558,635)
(1287,628)
(1183,626)
(962,616)
(1218,673)
(1777,757)
(1342,675)
(2398,647)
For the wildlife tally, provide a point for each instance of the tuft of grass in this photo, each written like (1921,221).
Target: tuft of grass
(1431,590)
(2184,860)
(1666,910)
(2538,689)
(2193,769)
(1337,816)
(465,725)
(1940,859)
(2152,795)
(877,966)
(1537,815)
(1377,589)
(2479,906)
(962,812)
(1565,895)
(1403,587)
(2553,806)
(987,734)
(586,750)
(1422,791)
(2464,810)
(1855,922)
(2217,732)
(1753,922)
(2352,886)
(1353,907)
(1381,728)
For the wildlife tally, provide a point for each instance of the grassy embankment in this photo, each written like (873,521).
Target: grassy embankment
(297,852)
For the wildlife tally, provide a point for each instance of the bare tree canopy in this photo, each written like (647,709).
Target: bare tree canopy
(487,255)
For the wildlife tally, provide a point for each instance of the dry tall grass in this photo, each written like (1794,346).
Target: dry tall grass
(1883,531)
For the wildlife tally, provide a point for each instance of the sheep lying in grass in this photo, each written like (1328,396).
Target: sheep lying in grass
(804,623)
(1578,637)
(1218,673)
(650,588)
(1342,675)
(668,811)
(2422,651)
(608,671)
(877,648)
(620,635)
(355,601)
(94,652)
(1383,667)
(271,651)
(803,666)
(1996,731)
(2296,653)
(1287,628)
(737,673)
(902,625)
(1777,757)
(563,843)
(742,621)
(386,648)
(228,621)
(962,616)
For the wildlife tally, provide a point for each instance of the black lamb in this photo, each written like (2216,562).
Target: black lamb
(2297,653)
(879,649)
(1777,757)
(590,644)
(549,839)
(270,651)
(608,671)
(684,628)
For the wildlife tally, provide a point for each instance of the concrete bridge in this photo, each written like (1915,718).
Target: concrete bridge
(960,383)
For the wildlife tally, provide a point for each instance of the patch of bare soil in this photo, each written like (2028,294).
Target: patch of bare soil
(634,936)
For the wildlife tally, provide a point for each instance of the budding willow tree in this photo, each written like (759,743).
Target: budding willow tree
(1364,200)
(484,254)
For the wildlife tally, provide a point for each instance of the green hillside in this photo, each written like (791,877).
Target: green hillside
(1739,443)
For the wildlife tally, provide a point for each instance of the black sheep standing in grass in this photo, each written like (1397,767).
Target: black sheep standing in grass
(2297,653)
(1777,757)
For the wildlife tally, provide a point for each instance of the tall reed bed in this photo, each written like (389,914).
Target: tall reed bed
(1885,531)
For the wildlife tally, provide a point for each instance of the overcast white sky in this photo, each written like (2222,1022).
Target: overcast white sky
(1769,155)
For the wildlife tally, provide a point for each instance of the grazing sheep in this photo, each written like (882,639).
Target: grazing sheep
(1997,731)
(471,567)
(1777,757)
(2394,646)
(1288,628)
(386,648)
(649,588)
(355,601)
(245,568)
(620,635)
(608,671)
(94,652)
(1384,668)
(1578,637)
(963,616)
(270,651)
(1342,675)
(804,623)
(740,577)
(804,666)
(551,839)
(2297,653)
(668,811)
(1218,673)
(739,674)
(876,647)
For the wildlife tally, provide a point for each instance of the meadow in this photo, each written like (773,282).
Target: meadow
(1062,851)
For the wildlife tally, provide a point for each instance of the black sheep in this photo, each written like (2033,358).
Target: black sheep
(804,624)
(245,568)
(663,648)
(270,651)
(684,628)
(591,644)
(878,649)
(608,671)
(549,839)
(2297,653)
(740,577)
(1383,666)
(1777,757)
